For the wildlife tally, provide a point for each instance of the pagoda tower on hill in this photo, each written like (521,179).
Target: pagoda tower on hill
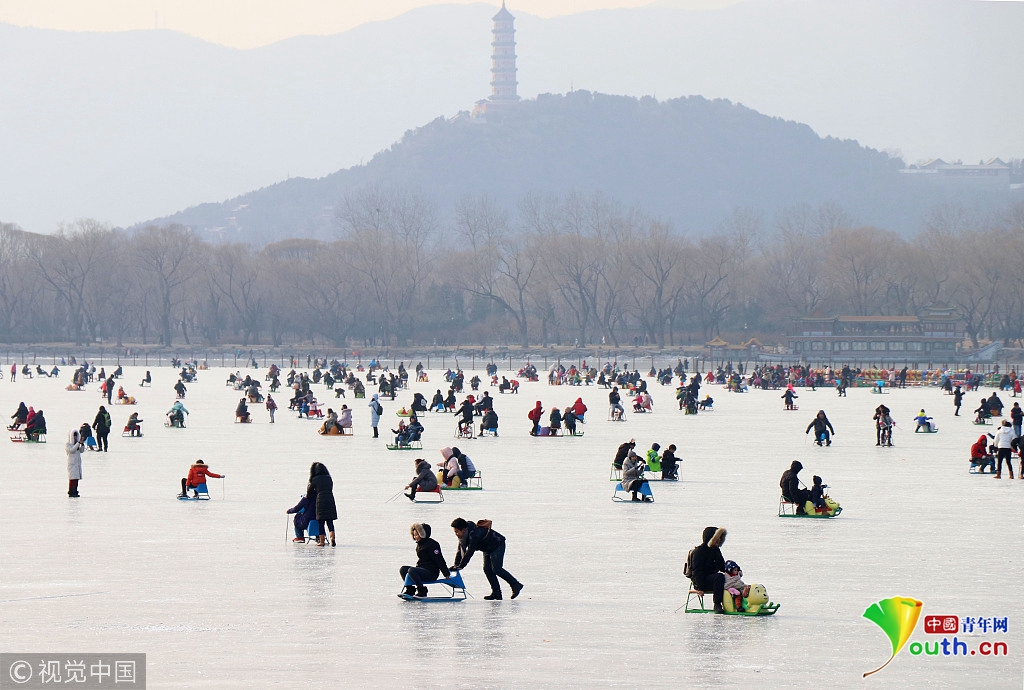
(503,64)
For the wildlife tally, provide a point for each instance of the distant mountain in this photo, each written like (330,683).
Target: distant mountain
(123,127)
(689,160)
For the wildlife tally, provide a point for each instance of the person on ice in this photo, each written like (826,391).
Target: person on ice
(134,425)
(180,389)
(791,490)
(423,481)
(321,485)
(20,416)
(817,494)
(176,415)
(74,451)
(633,476)
(821,427)
(305,513)
(924,422)
(197,475)
(670,464)
(489,422)
(1003,440)
(242,411)
(535,415)
(980,455)
(707,565)
(430,562)
(480,537)
(734,584)
(788,397)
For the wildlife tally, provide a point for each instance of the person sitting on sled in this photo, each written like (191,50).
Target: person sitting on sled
(197,475)
(423,481)
(20,417)
(983,412)
(430,562)
(707,564)
(633,476)
(449,467)
(489,422)
(734,584)
(817,495)
(133,425)
(330,422)
(569,419)
(791,490)
(345,418)
(821,427)
(176,415)
(924,422)
(788,397)
(707,403)
(242,411)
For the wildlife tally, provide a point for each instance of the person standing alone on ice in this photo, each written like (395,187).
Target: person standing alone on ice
(1004,437)
(101,425)
(74,451)
(376,410)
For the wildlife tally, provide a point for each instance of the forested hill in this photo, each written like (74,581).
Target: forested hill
(689,161)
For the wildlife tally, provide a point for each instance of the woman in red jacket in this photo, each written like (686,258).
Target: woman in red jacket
(197,475)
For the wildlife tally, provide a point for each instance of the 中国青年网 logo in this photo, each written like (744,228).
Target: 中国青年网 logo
(898,617)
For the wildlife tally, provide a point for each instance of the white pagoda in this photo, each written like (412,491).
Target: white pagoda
(503,64)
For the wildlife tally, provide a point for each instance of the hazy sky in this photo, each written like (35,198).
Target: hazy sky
(250,23)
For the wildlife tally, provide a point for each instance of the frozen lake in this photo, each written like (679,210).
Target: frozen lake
(217,595)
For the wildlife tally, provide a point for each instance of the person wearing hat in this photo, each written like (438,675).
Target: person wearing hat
(734,584)
(633,476)
(197,475)
(430,561)
(790,485)
(622,452)
(923,422)
(707,564)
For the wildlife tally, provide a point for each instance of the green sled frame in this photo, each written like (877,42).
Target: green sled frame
(787,509)
(696,595)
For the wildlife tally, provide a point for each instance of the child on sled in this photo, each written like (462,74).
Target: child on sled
(734,584)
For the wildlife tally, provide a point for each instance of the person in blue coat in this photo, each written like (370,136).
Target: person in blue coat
(305,512)
(480,537)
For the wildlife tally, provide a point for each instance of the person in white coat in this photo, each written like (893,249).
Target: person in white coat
(74,450)
(1004,437)
(375,412)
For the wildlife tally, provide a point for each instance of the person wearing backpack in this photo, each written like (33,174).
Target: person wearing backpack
(480,537)
(705,565)
(376,410)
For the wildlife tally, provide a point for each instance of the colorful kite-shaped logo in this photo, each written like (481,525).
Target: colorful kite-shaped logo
(897,616)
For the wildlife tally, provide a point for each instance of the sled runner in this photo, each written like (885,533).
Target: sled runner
(202,494)
(788,509)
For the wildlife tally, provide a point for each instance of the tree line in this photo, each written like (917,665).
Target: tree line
(574,269)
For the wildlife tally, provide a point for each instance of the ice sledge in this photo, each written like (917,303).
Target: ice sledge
(474,483)
(411,445)
(202,494)
(622,496)
(788,509)
(453,583)
(757,593)
(22,437)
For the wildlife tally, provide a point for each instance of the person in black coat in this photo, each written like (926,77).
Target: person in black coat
(670,464)
(790,485)
(707,564)
(480,537)
(419,403)
(429,561)
(622,452)
(322,487)
(305,513)
(821,427)
(101,425)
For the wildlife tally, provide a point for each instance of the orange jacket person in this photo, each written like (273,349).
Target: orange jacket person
(197,475)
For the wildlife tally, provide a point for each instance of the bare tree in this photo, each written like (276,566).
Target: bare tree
(168,258)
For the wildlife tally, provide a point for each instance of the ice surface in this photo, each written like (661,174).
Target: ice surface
(218,597)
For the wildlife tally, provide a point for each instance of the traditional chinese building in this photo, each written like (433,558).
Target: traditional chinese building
(503,65)
(932,336)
